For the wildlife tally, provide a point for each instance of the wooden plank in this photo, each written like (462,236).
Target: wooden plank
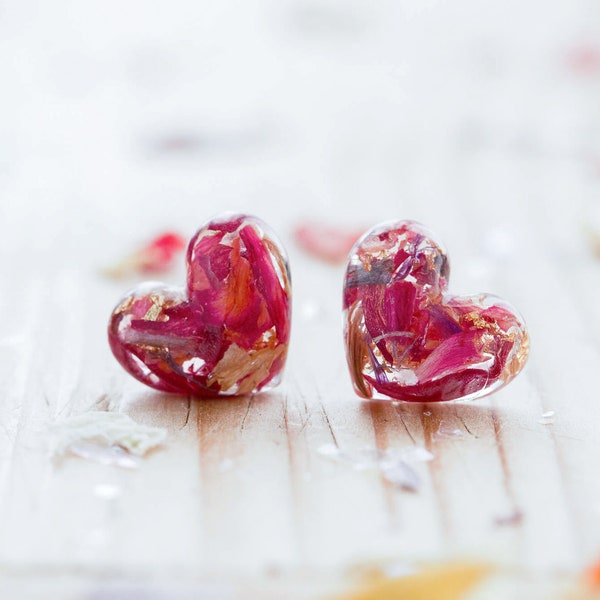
(472,125)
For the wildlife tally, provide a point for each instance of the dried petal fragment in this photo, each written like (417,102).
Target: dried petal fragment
(407,338)
(326,242)
(585,59)
(394,464)
(511,519)
(592,576)
(225,334)
(157,256)
(107,438)
(440,582)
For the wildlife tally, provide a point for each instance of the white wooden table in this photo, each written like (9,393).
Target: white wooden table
(119,120)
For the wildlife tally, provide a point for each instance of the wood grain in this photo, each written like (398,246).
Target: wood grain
(116,125)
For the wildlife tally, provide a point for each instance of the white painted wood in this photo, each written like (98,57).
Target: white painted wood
(118,121)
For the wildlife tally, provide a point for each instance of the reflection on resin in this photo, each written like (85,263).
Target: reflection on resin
(407,338)
(227,332)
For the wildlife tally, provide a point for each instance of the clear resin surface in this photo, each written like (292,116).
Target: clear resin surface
(407,338)
(227,332)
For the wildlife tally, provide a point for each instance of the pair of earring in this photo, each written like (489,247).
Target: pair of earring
(227,332)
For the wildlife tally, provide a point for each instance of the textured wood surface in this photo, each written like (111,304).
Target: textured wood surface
(119,121)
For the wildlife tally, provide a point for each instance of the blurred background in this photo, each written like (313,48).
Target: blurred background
(121,120)
(118,117)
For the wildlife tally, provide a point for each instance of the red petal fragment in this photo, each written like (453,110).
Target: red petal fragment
(592,576)
(326,242)
(156,256)
(585,60)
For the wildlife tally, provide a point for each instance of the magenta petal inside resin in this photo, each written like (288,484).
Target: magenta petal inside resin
(227,332)
(407,338)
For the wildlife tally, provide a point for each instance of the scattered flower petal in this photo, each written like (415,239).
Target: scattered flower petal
(512,519)
(326,242)
(157,256)
(403,476)
(443,582)
(113,456)
(417,454)
(107,438)
(592,576)
(584,60)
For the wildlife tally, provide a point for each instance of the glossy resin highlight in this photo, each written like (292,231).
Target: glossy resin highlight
(227,332)
(407,338)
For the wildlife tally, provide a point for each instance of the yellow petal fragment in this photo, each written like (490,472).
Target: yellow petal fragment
(448,582)
(247,368)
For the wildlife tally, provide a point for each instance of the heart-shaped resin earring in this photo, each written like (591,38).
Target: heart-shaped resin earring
(226,332)
(407,338)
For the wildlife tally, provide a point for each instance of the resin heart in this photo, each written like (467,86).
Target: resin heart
(407,338)
(227,332)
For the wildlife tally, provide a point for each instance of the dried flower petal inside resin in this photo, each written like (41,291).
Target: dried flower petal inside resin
(329,243)
(407,338)
(227,332)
